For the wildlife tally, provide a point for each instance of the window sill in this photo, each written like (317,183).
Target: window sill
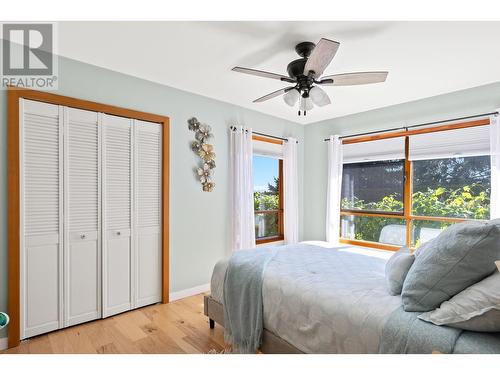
(373,245)
(266,240)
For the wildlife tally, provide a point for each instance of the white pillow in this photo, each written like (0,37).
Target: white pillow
(476,308)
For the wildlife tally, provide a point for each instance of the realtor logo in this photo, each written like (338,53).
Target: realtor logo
(28,56)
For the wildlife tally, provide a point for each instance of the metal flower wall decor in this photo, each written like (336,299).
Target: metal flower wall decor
(203,133)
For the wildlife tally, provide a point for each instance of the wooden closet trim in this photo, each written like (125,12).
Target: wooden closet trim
(13,189)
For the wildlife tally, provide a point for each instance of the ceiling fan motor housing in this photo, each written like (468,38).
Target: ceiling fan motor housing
(296,67)
(296,71)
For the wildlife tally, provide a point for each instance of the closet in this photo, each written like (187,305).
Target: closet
(90,215)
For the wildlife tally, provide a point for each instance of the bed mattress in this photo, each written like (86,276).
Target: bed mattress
(323,299)
(348,282)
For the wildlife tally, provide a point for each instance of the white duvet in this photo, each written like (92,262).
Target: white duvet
(324,300)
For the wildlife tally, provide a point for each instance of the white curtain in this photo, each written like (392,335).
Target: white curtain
(291,191)
(241,181)
(495,167)
(334,189)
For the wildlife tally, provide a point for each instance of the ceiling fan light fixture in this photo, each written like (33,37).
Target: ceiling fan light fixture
(319,96)
(309,104)
(291,97)
(306,104)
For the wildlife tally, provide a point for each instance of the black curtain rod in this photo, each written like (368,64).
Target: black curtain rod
(233,128)
(415,126)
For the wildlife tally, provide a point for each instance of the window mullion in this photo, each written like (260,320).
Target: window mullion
(281,225)
(407,193)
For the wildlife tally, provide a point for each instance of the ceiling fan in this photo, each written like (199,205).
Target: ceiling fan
(305,73)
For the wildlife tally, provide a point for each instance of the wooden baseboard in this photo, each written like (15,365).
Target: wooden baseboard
(189,292)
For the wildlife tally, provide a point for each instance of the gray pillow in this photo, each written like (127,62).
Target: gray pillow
(476,308)
(420,249)
(460,256)
(396,269)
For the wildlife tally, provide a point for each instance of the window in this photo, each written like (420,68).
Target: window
(448,188)
(445,178)
(452,187)
(373,186)
(268,197)
(372,200)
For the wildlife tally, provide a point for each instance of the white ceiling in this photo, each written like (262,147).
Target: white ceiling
(423,58)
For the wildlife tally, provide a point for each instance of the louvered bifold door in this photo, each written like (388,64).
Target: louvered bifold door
(148,202)
(82,250)
(41,217)
(117,214)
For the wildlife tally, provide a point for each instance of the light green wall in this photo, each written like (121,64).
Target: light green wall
(457,104)
(199,221)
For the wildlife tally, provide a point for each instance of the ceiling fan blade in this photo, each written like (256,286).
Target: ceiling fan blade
(321,57)
(273,95)
(319,96)
(348,79)
(261,73)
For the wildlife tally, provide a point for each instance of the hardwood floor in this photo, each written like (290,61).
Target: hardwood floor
(178,327)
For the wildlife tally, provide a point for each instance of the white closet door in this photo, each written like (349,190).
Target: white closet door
(117,214)
(82,269)
(148,188)
(41,218)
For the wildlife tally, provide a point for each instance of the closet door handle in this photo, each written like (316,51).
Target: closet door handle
(83,236)
(118,233)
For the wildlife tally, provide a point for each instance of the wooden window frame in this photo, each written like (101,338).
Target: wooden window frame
(280,210)
(13,188)
(408,185)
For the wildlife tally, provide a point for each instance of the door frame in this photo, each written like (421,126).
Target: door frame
(14,194)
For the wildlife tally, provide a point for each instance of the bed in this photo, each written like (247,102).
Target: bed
(323,299)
